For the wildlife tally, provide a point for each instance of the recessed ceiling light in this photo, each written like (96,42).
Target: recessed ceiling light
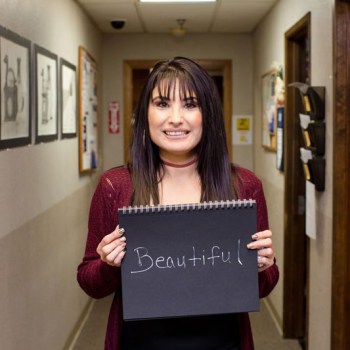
(177,0)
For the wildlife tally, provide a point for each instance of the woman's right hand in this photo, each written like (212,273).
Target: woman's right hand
(112,247)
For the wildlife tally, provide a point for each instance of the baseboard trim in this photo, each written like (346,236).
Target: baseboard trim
(72,339)
(274,315)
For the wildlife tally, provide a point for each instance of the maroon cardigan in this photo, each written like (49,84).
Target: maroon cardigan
(98,279)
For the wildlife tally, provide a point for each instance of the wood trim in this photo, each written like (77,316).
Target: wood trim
(128,68)
(340,335)
(225,66)
(295,243)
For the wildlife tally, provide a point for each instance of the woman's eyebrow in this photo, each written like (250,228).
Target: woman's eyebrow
(190,98)
(160,97)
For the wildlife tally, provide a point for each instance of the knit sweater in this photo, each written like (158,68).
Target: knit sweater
(99,279)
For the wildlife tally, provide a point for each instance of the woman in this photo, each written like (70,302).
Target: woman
(178,155)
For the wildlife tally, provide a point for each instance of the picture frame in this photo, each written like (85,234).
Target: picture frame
(88,112)
(46,95)
(69,99)
(15,90)
(269,112)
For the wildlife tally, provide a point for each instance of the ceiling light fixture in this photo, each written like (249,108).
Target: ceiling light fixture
(177,0)
(180,30)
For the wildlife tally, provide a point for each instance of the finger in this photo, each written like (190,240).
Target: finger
(260,244)
(106,246)
(119,258)
(109,248)
(111,257)
(267,252)
(118,232)
(262,235)
(262,260)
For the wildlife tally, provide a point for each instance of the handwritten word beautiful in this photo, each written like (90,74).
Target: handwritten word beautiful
(214,256)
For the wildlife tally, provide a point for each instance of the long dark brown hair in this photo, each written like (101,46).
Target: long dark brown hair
(214,166)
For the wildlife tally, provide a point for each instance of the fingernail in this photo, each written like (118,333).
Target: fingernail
(123,239)
(250,245)
(255,236)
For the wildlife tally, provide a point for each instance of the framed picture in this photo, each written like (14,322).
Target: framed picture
(68,101)
(15,127)
(269,113)
(46,101)
(88,137)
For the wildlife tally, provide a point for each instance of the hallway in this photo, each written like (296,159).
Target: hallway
(46,193)
(266,336)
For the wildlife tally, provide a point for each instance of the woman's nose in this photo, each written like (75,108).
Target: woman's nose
(175,115)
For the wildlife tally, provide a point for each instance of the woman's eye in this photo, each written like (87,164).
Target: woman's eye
(191,105)
(162,104)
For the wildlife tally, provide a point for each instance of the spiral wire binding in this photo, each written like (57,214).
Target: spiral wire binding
(239,203)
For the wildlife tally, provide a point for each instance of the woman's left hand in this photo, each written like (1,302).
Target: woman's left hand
(262,242)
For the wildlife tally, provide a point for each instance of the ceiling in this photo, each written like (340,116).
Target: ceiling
(223,16)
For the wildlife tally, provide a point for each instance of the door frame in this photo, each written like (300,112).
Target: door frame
(224,66)
(295,241)
(340,335)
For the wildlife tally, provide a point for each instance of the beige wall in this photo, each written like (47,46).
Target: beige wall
(117,48)
(43,200)
(269,47)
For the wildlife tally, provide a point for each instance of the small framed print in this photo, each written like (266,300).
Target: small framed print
(88,108)
(15,127)
(68,101)
(46,88)
(269,116)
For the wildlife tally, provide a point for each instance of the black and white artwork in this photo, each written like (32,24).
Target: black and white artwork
(15,129)
(46,95)
(88,102)
(68,99)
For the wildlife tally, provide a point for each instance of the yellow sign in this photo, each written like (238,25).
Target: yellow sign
(243,124)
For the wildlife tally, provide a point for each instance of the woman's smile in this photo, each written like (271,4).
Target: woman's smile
(176,133)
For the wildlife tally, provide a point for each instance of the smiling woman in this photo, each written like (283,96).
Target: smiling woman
(178,155)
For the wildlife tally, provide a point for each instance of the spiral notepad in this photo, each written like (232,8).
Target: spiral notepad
(189,260)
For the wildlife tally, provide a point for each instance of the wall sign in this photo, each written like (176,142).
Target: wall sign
(242,130)
(113,117)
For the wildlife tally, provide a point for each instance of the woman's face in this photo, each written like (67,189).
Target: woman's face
(175,124)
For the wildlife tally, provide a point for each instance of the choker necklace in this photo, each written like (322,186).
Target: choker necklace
(174,165)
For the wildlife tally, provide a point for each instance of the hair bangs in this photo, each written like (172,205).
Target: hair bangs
(170,80)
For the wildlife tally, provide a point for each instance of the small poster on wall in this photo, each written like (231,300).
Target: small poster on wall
(242,130)
(268,115)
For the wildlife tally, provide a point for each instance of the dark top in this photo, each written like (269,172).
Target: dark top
(194,333)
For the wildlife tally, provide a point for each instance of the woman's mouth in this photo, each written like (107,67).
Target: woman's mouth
(176,133)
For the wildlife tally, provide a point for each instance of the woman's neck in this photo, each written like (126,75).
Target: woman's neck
(180,164)
(180,182)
